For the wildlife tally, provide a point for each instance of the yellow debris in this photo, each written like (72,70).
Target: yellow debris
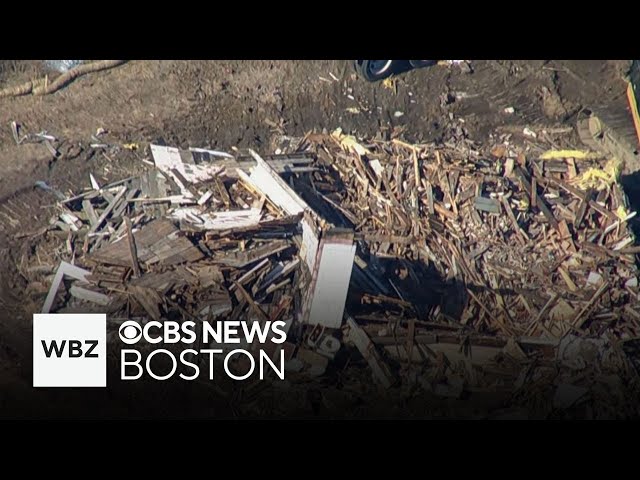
(621,212)
(130,146)
(349,142)
(600,178)
(390,83)
(560,154)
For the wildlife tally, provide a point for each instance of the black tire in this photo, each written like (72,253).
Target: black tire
(374,70)
(422,63)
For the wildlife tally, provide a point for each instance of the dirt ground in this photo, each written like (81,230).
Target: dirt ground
(225,104)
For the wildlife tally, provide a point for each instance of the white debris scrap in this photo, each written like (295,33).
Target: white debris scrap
(218,220)
(265,180)
(168,158)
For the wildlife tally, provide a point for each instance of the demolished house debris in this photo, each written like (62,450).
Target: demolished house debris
(470,264)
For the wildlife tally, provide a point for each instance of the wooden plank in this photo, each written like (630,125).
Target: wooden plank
(64,269)
(522,236)
(411,337)
(271,185)
(222,192)
(450,194)
(377,238)
(534,193)
(581,317)
(540,203)
(484,204)
(89,295)
(148,299)
(430,204)
(567,279)
(444,212)
(242,259)
(278,273)
(120,209)
(381,372)
(603,211)
(132,248)
(582,209)
(499,323)
(571,166)
(254,306)
(183,183)
(250,274)
(90,212)
(108,210)
(156,242)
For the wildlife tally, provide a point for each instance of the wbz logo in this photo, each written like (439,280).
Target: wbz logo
(75,348)
(69,350)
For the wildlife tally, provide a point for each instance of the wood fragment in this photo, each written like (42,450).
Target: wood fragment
(581,316)
(90,212)
(132,248)
(222,192)
(430,205)
(365,346)
(64,269)
(567,279)
(497,322)
(487,205)
(534,194)
(89,295)
(522,236)
(254,306)
(148,299)
(108,210)
(538,201)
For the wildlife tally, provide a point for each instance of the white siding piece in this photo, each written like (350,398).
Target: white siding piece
(204,198)
(215,153)
(63,269)
(331,283)
(264,179)
(218,220)
(168,158)
(377,167)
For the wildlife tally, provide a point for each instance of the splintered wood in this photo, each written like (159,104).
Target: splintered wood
(157,242)
(209,236)
(426,251)
(509,234)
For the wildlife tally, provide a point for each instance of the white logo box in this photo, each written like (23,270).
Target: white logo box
(61,369)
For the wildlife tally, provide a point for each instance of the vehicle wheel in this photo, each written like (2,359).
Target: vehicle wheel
(422,63)
(374,70)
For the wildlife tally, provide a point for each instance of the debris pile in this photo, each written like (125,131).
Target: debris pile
(208,236)
(448,267)
(537,247)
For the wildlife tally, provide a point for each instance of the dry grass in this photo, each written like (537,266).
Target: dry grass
(12,71)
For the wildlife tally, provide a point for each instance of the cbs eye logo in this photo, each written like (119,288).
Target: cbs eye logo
(130,332)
